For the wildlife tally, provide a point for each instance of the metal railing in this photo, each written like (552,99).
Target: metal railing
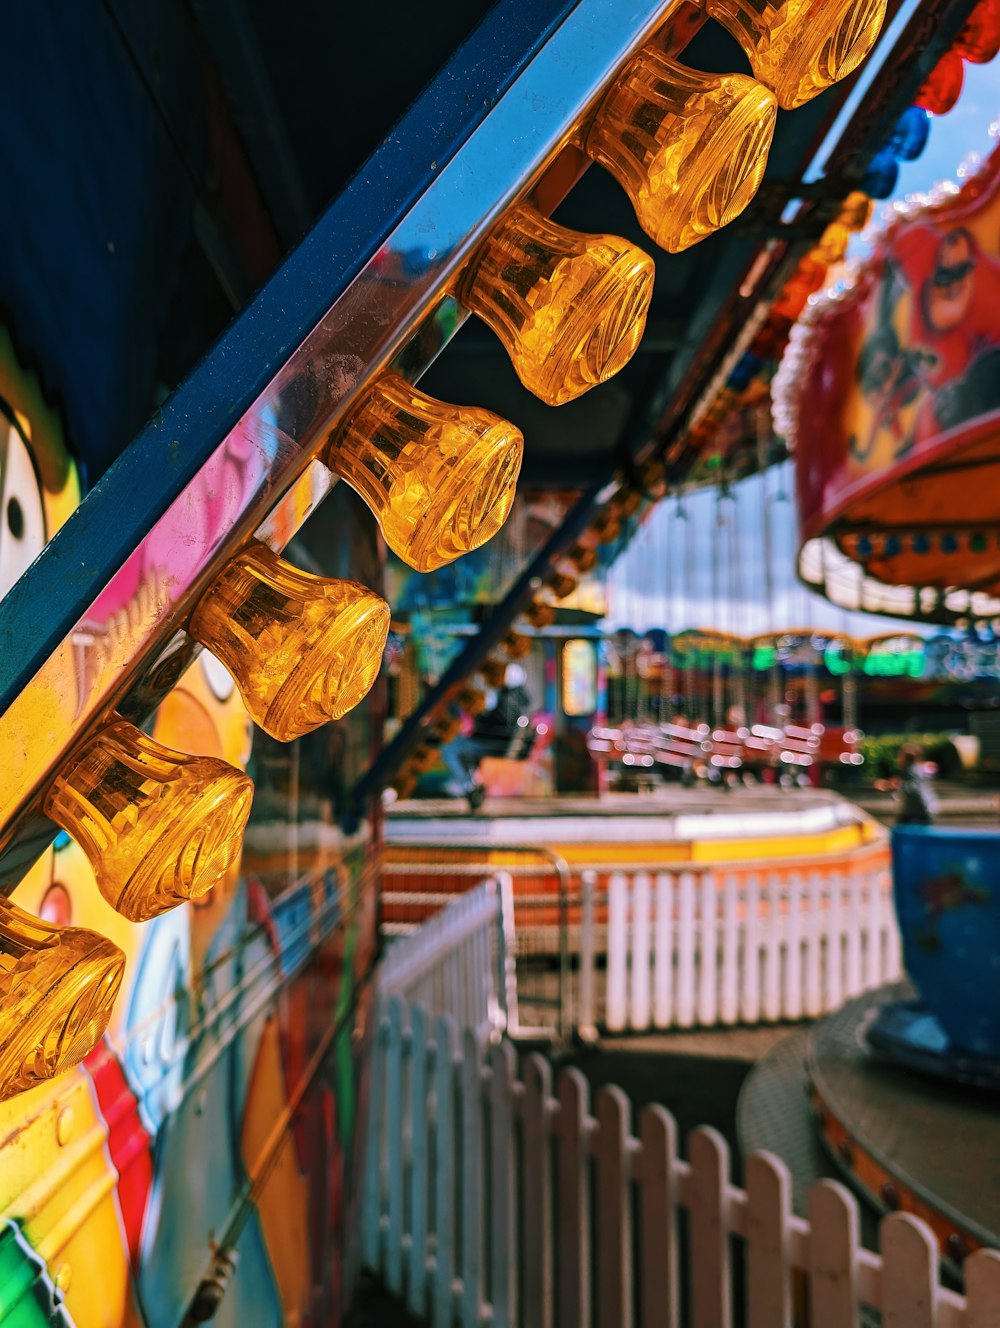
(598,946)
(415,888)
(460,962)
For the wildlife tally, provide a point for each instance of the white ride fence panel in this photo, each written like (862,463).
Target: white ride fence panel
(460,962)
(705,948)
(504,1200)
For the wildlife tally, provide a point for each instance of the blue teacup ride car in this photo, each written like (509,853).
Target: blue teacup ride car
(947,894)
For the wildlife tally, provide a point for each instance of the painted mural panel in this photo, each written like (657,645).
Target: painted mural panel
(890,393)
(205,1147)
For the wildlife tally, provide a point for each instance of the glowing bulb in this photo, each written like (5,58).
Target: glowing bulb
(439,479)
(448,727)
(158,826)
(494,671)
(561,584)
(583,557)
(799,47)
(943,86)
(303,649)
(471,699)
(688,148)
(423,758)
(57,990)
(516,645)
(569,308)
(607,527)
(540,613)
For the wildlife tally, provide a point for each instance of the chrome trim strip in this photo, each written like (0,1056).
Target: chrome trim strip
(147,602)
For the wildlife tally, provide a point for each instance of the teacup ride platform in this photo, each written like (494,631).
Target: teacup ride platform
(897,1093)
(740,832)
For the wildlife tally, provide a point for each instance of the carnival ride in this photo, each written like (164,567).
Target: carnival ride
(887,396)
(184,1017)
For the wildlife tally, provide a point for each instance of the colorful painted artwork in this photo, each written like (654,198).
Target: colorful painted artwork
(890,395)
(206,1145)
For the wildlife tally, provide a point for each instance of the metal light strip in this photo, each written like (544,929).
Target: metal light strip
(146,603)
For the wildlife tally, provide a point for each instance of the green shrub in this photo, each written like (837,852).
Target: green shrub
(882,750)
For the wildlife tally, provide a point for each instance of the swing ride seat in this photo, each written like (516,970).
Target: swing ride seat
(514,772)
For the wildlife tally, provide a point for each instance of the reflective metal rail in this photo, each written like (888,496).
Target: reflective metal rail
(232,455)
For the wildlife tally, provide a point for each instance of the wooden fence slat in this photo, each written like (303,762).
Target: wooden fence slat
(708,946)
(686,941)
(729,1001)
(395,1116)
(834,943)
(617,975)
(416,1281)
(833,1256)
(536,1249)
(909,1272)
(852,965)
(663,1004)
(659,1284)
(587,1015)
(372,1207)
(768,1261)
(773,937)
(573,1261)
(641,957)
(473,1174)
(711,1275)
(502,1245)
(750,1004)
(982,1287)
(792,1003)
(814,922)
(873,931)
(614,1210)
(445,1206)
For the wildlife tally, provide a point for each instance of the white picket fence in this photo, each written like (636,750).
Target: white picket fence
(686,949)
(460,962)
(500,1200)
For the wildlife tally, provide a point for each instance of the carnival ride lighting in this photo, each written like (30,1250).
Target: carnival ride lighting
(688,148)
(159,827)
(799,47)
(57,990)
(570,309)
(303,649)
(439,479)
(766,731)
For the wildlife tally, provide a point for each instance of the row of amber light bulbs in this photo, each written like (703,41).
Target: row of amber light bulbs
(160,827)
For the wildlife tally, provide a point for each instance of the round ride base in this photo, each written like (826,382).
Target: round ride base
(904,1140)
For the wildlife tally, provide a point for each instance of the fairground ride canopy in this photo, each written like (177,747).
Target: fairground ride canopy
(889,395)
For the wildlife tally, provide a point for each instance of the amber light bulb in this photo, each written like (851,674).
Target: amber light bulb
(57,990)
(158,826)
(540,613)
(799,47)
(494,671)
(439,479)
(688,148)
(303,649)
(569,308)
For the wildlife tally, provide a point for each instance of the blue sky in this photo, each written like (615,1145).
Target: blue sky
(707,569)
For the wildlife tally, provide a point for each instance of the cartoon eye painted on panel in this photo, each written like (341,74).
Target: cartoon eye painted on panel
(22,514)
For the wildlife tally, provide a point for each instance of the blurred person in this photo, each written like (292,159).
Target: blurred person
(491,735)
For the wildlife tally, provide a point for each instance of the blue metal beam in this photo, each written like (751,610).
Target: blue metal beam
(54,593)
